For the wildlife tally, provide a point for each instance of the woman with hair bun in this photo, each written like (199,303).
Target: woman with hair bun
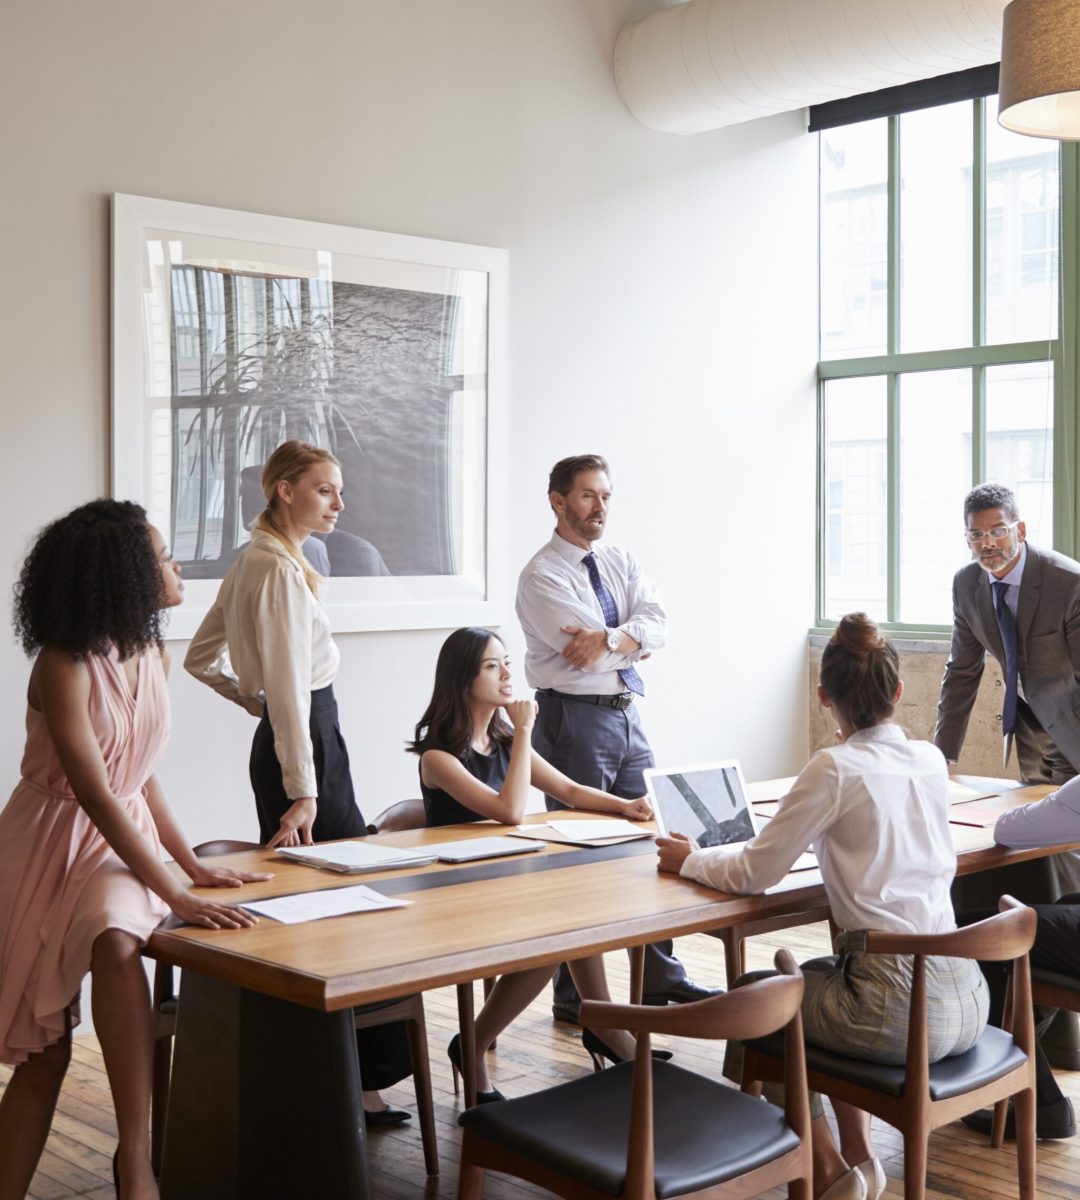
(875,810)
(82,881)
(266,645)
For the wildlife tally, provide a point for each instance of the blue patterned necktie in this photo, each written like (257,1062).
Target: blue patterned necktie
(1010,642)
(631,679)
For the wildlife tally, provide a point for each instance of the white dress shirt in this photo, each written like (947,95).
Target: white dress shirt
(876,811)
(267,638)
(554,590)
(1052,821)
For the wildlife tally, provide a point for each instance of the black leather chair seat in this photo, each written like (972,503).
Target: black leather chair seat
(547,1127)
(994,1054)
(1053,979)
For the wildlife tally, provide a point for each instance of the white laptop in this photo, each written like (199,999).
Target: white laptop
(709,803)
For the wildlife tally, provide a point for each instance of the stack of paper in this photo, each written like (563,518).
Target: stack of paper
(353,858)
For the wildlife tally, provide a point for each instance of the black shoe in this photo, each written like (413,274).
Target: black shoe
(571,1014)
(453,1053)
(1054,1120)
(598,1051)
(386,1116)
(686,991)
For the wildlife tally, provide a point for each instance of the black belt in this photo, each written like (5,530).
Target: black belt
(620,700)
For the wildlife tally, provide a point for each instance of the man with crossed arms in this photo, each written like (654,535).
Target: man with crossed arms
(589,615)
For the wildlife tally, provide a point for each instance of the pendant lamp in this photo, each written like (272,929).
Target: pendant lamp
(1040,69)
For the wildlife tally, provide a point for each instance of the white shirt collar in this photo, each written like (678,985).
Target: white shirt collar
(568,551)
(886,731)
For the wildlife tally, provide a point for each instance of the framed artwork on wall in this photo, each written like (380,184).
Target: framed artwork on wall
(234,331)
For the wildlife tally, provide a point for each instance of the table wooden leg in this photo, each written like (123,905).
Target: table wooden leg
(467,1026)
(265,1099)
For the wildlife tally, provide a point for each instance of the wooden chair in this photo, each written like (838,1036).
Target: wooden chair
(409,1009)
(410,814)
(647,1127)
(918,1097)
(734,936)
(406,814)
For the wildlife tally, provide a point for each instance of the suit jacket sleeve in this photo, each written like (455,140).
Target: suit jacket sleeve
(960,683)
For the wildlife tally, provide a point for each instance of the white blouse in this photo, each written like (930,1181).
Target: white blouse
(267,640)
(876,811)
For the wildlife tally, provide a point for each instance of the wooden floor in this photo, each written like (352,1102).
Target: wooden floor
(537,1052)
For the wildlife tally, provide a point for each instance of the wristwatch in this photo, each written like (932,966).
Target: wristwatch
(613,639)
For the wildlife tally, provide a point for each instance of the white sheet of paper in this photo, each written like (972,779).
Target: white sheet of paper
(313,906)
(594,831)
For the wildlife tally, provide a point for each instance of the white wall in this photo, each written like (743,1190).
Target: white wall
(662,313)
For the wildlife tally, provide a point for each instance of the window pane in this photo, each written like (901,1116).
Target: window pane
(1021,234)
(935,227)
(855,491)
(935,474)
(854,223)
(1019,441)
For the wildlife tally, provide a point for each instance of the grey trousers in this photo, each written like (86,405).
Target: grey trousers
(604,748)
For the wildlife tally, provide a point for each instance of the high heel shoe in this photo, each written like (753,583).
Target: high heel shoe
(599,1050)
(453,1053)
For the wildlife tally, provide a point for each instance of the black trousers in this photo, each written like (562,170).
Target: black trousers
(383,1050)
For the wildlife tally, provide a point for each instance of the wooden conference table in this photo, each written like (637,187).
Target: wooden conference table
(266,1093)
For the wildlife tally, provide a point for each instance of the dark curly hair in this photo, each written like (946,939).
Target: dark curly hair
(91,580)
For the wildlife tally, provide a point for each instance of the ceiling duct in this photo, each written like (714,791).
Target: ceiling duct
(710,63)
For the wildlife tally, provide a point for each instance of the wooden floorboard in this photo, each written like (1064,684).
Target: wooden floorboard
(537,1052)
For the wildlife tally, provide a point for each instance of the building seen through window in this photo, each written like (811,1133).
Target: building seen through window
(939,317)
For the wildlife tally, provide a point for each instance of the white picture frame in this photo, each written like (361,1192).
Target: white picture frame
(232,330)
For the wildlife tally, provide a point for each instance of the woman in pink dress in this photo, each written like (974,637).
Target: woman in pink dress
(82,881)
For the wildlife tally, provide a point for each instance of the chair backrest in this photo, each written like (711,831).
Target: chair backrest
(406,814)
(223,846)
(752,1011)
(1008,935)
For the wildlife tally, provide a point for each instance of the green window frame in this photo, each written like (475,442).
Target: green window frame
(1061,352)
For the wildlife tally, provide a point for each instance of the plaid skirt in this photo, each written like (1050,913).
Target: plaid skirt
(857,1003)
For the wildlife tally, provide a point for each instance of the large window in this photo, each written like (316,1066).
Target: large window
(940,362)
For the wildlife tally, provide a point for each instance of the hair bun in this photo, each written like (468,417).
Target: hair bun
(859,636)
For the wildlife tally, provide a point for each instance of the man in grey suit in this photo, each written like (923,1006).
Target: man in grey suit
(1021,604)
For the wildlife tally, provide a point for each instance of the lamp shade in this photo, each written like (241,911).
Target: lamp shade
(1040,68)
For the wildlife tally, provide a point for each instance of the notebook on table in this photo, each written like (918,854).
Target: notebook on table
(353,858)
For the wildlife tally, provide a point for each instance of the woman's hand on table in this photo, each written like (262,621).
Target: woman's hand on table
(296,823)
(672,852)
(209,914)
(636,810)
(223,877)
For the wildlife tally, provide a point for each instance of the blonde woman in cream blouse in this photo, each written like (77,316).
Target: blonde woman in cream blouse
(266,645)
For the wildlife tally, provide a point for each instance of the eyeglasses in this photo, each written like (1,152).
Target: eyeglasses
(975,537)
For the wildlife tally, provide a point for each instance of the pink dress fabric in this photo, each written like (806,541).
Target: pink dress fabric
(61,884)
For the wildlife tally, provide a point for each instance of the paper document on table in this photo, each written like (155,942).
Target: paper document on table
(961,793)
(596,831)
(313,906)
(980,813)
(545,833)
